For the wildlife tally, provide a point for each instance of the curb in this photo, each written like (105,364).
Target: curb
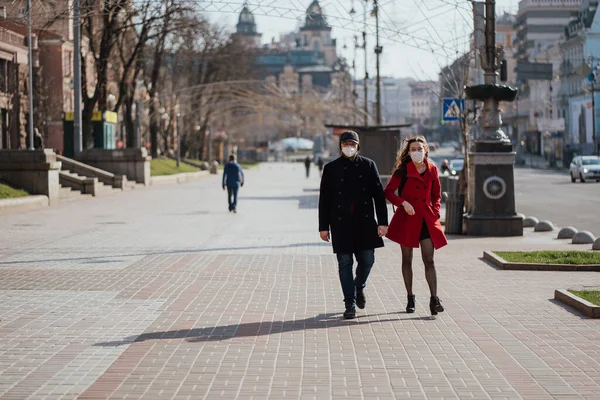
(502,263)
(177,178)
(21,204)
(584,306)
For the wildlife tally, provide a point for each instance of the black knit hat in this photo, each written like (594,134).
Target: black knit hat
(349,136)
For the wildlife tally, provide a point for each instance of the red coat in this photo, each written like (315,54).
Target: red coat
(423,193)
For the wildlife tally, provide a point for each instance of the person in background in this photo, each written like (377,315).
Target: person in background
(350,187)
(445,167)
(320,164)
(415,189)
(233,179)
(307,165)
(38,140)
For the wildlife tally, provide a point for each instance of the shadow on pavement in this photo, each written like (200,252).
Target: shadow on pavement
(107,259)
(569,309)
(490,264)
(304,202)
(255,329)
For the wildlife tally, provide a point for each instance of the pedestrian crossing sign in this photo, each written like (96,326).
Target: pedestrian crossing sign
(452,109)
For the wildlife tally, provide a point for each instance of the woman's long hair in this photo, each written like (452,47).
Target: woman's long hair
(403,157)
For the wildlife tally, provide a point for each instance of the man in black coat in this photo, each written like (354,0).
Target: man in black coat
(350,185)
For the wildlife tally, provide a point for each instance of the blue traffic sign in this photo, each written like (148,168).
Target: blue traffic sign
(452,109)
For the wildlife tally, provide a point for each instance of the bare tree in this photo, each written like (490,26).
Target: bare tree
(103,22)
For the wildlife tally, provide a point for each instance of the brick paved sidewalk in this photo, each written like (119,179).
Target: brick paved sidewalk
(161,293)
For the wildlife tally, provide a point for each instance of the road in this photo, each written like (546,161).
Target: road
(550,195)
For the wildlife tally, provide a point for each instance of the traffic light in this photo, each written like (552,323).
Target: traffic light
(503,71)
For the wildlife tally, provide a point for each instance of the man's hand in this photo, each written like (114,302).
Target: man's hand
(382,230)
(408,208)
(325,235)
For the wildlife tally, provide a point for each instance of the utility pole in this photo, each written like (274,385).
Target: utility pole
(178,115)
(378,51)
(364,35)
(77,137)
(30,60)
(592,79)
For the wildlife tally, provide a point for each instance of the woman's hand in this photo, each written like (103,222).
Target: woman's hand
(408,208)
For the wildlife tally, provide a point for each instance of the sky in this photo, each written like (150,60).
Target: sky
(418,36)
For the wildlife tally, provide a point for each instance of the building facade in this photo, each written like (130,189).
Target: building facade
(396,105)
(539,25)
(422,95)
(14,81)
(580,51)
(310,51)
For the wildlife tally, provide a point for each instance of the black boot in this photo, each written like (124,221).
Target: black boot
(435,305)
(361,300)
(410,306)
(350,312)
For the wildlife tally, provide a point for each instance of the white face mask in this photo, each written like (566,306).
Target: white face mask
(349,151)
(417,156)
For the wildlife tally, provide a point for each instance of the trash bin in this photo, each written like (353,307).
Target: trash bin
(454,213)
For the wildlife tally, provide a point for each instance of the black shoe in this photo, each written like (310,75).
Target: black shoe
(350,312)
(361,300)
(234,211)
(410,305)
(435,305)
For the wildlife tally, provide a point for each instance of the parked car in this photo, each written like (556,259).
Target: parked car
(456,166)
(585,167)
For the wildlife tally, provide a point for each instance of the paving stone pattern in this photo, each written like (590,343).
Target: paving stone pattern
(161,293)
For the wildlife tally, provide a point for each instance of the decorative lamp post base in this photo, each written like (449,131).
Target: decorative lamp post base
(491,175)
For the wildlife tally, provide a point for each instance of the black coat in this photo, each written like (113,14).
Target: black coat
(348,190)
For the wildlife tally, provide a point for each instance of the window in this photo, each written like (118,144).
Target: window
(3,76)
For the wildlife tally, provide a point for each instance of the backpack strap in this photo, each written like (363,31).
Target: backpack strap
(401,187)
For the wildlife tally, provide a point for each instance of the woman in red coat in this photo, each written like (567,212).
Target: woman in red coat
(416,221)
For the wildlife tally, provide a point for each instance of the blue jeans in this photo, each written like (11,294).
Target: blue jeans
(232,192)
(365,260)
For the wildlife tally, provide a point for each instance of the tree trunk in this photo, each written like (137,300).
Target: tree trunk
(86,124)
(154,128)
(129,123)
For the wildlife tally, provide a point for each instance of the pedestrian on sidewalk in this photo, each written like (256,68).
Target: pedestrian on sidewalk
(320,164)
(349,186)
(233,179)
(307,165)
(414,189)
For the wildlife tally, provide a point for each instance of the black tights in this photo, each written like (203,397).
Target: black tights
(407,273)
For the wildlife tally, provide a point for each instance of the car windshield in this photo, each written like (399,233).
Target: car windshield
(591,161)
(458,164)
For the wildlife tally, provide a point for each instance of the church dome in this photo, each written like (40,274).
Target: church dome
(246,24)
(314,17)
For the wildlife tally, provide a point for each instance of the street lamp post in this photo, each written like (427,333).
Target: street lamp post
(364,47)
(179,116)
(77,122)
(378,51)
(30,60)
(592,80)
